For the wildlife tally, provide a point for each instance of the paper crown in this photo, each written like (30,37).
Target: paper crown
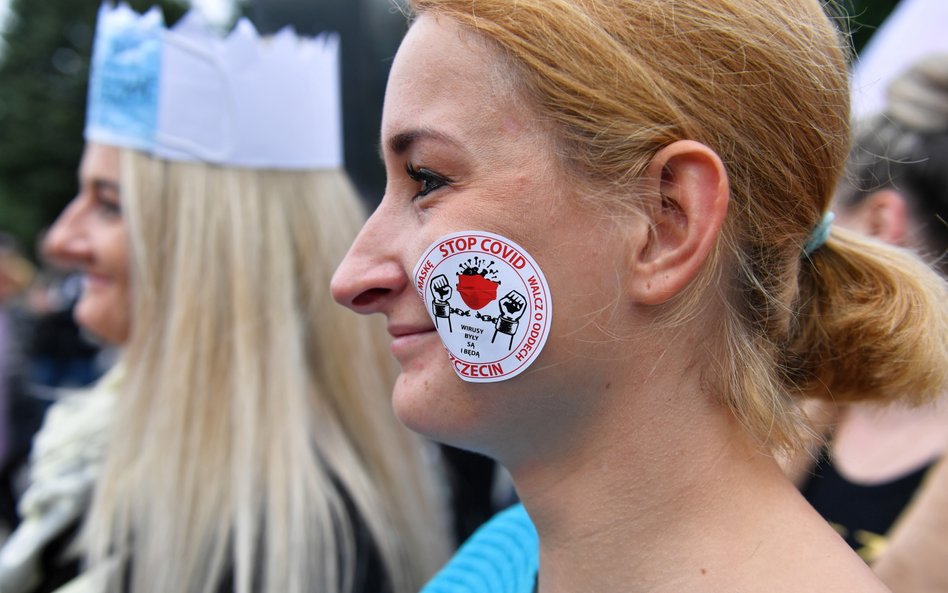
(186,93)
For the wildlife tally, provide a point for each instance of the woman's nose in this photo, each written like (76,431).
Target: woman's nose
(66,244)
(371,275)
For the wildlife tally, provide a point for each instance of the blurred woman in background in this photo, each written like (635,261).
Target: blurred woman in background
(251,446)
(879,458)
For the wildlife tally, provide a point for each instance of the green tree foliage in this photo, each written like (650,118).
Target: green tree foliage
(43,72)
(865,18)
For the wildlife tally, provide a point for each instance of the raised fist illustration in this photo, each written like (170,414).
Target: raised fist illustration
(441,291)
(512,308)
(440,288)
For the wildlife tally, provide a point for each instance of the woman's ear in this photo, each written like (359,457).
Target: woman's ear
(689,193)
(883,214)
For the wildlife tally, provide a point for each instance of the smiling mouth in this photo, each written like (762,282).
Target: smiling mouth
(412,333)
(93,280)
(398,330)
(406,341)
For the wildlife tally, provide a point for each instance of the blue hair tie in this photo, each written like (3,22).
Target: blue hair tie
(820,234)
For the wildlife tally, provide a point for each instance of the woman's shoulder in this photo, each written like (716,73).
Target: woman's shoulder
(66,461)
(501,557)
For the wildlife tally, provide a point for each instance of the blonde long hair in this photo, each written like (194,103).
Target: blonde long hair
(254,422)
(763,83)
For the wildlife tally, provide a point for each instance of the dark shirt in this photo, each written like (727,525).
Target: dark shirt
(58,567)
(861,514)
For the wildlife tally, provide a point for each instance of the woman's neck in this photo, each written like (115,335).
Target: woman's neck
(663,496)
(876,444)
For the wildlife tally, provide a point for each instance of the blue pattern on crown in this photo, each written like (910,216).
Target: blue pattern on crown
(124,80)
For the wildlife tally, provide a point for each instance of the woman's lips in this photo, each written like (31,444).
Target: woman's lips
(96,280)
(405,341)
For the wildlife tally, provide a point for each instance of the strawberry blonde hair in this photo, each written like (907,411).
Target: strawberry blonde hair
(764,84)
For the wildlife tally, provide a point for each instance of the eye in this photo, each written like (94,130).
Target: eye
(108,205)
(429,180)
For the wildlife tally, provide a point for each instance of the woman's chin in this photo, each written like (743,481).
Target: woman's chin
(109,324)
(442,410)
(416,403)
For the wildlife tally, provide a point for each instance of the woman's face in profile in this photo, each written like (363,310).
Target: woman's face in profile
(90,236)
(463,153)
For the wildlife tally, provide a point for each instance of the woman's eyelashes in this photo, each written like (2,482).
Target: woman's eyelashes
(108,205)
(428,180)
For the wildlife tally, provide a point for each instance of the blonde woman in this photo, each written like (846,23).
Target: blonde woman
(614,213)
(251,446)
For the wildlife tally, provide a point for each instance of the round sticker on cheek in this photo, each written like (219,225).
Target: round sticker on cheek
(489,301)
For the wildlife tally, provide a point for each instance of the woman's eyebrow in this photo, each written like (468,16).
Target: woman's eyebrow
(104,185)
(400,142)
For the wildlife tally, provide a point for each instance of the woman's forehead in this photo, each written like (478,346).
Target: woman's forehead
(100,161)
(444,83)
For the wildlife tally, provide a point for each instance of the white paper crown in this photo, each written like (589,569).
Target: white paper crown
(186,93)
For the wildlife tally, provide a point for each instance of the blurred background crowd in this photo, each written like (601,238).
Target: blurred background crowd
(44,65)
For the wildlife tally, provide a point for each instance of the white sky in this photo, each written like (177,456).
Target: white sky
(4,8)
(216,11)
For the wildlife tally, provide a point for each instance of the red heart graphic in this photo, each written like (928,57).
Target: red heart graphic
(477,291)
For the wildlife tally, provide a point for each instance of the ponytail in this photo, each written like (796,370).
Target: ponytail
(872,324)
